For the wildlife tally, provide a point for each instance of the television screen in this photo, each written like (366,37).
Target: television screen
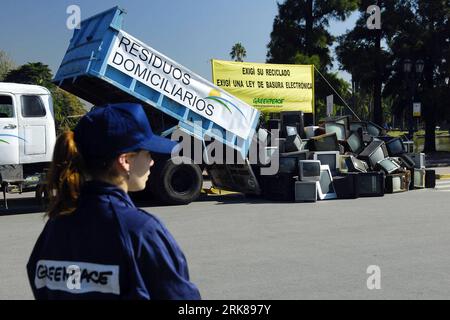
(368,184)
(309,170)
(291,131)
(388,165)
(373,129)
(377,156)
(326,189)
(395,147)
(325,142)
(293,119)
(310,131)
(305,191)
(288,165)
(330,158)
(354,164)
(338,128)
(355,143)
(293,143)
(354,126)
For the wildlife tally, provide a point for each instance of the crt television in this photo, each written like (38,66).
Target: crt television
(326,189)
(374,152)
(395,147)
(309,170)
(330,158)
(388,165)
(324,142)
(335,127)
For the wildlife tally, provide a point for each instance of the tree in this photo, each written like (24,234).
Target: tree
(301,27)
(31,73)
(411,29)
(6,64)
(300,36)
(238,52)
(67,107)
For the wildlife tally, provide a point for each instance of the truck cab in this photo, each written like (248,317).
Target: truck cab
(27,131)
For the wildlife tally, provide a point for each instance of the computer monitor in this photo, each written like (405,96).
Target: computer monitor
(293,143)
(310,131)
(388,165)
(330,158)
(288,165)
(374,152)
(419,160)
(356,165)
(339,128)
(288,162)
(373,129)
(309,170)
(395,147)
(396,183)
(355,142)
(326,189)
(294,119)
(306,191)
(291,131)
(371,184)
(324,142)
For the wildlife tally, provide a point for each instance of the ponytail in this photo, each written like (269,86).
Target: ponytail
(65,176)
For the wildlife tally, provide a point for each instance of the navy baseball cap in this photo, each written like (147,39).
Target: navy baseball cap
(108,131)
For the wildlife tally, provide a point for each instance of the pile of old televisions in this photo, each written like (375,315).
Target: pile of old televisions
(340,159)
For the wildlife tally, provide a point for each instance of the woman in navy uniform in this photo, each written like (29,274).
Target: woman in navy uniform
(96,244)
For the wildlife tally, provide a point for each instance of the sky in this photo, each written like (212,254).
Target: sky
(191,32)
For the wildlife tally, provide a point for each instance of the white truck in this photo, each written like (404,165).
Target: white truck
(27,134)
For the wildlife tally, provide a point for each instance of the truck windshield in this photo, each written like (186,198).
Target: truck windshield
(6,107)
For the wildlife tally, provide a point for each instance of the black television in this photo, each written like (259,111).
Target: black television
(355,165)
(371,184)
(395,147)
(355,142)
(388,165)
(368,127)
(293,143)
(339,128)
(291,130)
(288,162)
(330,158)
(293,119)
(324,142)
(374,152)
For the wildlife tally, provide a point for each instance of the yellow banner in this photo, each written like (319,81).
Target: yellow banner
(267,87)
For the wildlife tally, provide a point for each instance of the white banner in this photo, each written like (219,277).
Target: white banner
(166,76)
(330,105)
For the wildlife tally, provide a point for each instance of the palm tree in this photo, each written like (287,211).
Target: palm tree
(238,52)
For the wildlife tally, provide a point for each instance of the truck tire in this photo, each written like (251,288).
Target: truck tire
(176,184)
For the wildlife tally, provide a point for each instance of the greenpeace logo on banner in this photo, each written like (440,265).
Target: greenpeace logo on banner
(77,277)
(164,75)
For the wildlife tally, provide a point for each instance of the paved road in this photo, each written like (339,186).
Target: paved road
(244,249)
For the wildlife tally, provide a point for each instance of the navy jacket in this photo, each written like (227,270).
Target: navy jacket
(108,249)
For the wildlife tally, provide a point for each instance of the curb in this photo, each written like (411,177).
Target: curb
(443,176)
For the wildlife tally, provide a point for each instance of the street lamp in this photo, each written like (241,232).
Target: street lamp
(412,84)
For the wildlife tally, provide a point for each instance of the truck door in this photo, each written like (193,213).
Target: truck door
(32,121)
(9,130)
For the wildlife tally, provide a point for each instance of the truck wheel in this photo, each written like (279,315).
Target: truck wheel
(177,184)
